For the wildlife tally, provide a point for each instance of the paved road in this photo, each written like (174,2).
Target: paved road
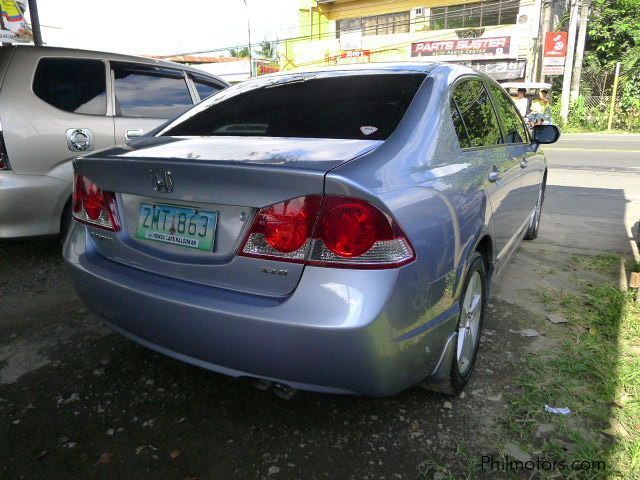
(597,152)
(593,197)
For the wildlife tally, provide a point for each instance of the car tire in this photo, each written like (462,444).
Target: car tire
(472,311)
(534,226)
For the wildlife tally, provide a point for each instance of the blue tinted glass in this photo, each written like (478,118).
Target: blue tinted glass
(150,94)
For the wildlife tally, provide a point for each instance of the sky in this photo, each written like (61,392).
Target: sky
(163,27)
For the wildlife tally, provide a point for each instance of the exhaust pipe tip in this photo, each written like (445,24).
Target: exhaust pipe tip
(280,390)
(283,391)
(262,385)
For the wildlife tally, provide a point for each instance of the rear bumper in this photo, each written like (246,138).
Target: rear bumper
(337,333)
(31,205)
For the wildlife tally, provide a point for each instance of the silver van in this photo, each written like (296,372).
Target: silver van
(56,104)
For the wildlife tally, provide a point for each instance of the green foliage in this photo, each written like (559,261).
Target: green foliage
(614,29)
(268,50)
(614,36)
(595,371)
(239,52)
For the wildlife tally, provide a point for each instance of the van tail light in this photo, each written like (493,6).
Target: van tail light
(93,206)
(4,157)
(330,231)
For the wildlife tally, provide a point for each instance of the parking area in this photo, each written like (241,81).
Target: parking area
(79,402)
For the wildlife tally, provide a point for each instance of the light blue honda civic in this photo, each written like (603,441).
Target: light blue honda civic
(336,230)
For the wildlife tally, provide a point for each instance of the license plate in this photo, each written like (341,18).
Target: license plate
(182,226)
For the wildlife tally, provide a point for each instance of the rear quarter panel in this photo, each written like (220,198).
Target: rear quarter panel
(420,177)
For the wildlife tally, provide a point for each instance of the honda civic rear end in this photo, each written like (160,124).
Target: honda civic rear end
(236,239)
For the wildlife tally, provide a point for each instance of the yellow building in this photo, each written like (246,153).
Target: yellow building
(499,37)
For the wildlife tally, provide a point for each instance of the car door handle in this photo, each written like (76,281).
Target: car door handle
(494,176)
(132,133)
(524,163)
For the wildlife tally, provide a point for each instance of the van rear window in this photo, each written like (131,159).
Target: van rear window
(73,85)
(344,107)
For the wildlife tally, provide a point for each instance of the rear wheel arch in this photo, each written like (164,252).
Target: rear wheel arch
(485,249)
(65,220)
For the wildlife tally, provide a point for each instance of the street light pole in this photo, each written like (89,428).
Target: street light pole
(249,35)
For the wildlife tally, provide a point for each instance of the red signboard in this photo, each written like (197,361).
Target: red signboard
(467,46)
(355,53)
(555,44)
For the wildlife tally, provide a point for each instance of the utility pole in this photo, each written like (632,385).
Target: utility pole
(614,97)
(35,22)
(249,35)
(582,40)
(568,66)
(547,26)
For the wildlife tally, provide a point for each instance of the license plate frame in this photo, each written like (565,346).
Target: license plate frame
(168,217)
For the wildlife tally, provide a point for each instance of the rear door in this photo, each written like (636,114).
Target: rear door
(145,97)
(47,99)
(480,137)
(517,136)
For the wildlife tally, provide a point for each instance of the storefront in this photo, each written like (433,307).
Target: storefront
(498,37)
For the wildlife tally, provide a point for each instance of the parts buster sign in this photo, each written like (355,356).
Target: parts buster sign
(466,49)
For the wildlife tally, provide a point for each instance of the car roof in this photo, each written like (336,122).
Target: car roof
(383,67)
(76,52)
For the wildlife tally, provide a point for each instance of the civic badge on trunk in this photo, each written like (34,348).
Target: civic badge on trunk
(161,180)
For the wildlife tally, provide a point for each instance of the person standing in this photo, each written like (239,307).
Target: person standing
(522,102)
(541,105)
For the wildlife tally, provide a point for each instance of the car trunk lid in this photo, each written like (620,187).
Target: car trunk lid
(233,177)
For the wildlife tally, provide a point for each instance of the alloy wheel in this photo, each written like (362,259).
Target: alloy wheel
(469,326)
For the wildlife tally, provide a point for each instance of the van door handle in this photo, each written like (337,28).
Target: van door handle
(494,176)
(132,133)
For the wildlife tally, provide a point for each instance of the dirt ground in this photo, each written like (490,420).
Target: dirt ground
(79,402)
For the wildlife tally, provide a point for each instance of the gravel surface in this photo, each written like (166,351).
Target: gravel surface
(80,402)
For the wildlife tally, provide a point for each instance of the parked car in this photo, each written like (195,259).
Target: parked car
(335,230)
(56,103)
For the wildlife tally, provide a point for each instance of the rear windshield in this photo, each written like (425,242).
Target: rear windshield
(346,107)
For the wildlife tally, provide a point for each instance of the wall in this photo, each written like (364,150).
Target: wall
(325,49)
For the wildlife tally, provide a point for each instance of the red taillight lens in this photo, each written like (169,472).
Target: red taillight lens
(283,230)
(349,229)
(287,225)
(93,206)
(348,233)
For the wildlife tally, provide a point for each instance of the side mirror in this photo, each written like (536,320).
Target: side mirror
(545,134)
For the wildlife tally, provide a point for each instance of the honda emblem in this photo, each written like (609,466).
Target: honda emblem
(161,180)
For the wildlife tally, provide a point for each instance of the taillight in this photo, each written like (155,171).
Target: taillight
(283,230)
(332,231)
(94,206)
(4,157)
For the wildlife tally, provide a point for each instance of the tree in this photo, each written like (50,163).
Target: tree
(614,36)
(268,50)
(239,52)
(614,29)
